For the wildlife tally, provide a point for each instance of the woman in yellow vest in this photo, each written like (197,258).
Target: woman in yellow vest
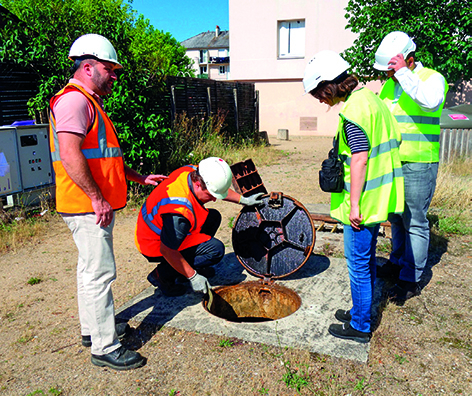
(368,139)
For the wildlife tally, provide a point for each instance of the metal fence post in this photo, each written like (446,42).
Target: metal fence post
(236,117)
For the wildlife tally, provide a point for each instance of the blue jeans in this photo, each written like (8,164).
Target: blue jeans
(359,250)
(410,230)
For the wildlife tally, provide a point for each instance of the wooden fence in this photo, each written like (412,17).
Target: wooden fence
(455,143)
(17,86)
(200,98)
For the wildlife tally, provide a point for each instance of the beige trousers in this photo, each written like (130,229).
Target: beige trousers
(96,271)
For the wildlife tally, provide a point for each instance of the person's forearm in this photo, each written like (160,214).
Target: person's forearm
(232,196)
(177,261)
(427,94)
(78,170)
(358,171)
(134,176)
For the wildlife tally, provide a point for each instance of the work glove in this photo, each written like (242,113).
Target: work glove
(199,283)
(252,200)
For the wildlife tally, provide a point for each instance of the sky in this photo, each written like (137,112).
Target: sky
(184,18)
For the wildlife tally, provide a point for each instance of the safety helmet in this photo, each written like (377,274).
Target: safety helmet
(324,66)
(94,45)
(393,44)
(217,176)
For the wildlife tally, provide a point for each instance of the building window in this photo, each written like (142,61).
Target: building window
(203,70)
(222,69)
(291,39)
(203,56)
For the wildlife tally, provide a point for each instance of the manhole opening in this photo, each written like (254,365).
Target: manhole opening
(253,302)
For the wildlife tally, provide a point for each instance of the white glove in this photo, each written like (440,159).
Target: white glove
(252,200)
(199,283)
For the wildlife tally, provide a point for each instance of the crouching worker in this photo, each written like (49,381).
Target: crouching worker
(175,230)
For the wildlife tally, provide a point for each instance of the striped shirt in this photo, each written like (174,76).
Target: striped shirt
(356,139)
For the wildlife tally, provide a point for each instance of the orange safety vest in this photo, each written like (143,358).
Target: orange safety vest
(104,157)
(173,195)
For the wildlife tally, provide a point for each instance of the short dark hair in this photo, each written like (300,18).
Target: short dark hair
(340,87)
(412,54)
(79,60)
(195,177)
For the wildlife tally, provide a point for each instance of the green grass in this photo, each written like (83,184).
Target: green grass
(226,343)
(400,359)
(295,377)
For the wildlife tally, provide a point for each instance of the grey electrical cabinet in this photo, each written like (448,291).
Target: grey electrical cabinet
(10,178)
(34,158)
(25,162)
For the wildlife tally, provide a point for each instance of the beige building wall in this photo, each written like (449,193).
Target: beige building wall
(254,43)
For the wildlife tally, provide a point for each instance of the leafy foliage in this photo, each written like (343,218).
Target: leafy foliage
(441,29)
(38,34)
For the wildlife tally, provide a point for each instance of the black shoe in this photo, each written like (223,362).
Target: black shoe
(343,316)
(346,332)
(403,291)
(389,271)
(122,329)
(120,359)
(167,287)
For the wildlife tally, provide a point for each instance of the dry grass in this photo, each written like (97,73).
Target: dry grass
(199,138)
(21,225)
(233,154)
(454,186)
(452,202)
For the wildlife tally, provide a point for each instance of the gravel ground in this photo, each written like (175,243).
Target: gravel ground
(421,348)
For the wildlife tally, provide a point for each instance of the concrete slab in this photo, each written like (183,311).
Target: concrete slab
(322,283)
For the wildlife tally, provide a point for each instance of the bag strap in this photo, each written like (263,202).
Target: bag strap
(336,145)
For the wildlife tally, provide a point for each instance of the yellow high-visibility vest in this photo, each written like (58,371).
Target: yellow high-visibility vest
(420,129)
(383,191)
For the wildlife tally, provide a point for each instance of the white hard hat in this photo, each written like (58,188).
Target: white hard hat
(393,44)
(324,66)
(217,176)
(94,45)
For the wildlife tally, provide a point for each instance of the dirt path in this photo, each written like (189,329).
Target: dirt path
(416,349)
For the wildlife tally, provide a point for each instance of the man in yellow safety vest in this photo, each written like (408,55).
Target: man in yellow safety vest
(415,95)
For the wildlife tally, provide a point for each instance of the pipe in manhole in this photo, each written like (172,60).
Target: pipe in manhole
(271,241)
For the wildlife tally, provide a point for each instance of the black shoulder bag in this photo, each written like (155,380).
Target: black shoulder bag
(332,171)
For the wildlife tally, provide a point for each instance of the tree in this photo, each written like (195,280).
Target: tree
(441,29)
(38,34)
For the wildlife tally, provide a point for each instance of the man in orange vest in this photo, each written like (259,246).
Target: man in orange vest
(175,229)
(90,187)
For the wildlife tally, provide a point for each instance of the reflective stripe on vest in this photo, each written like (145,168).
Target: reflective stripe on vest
(172,196)
(417,119)
(102,151)
(420,129)
(378,150)
(378,181)
(149,217)
(383,190)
